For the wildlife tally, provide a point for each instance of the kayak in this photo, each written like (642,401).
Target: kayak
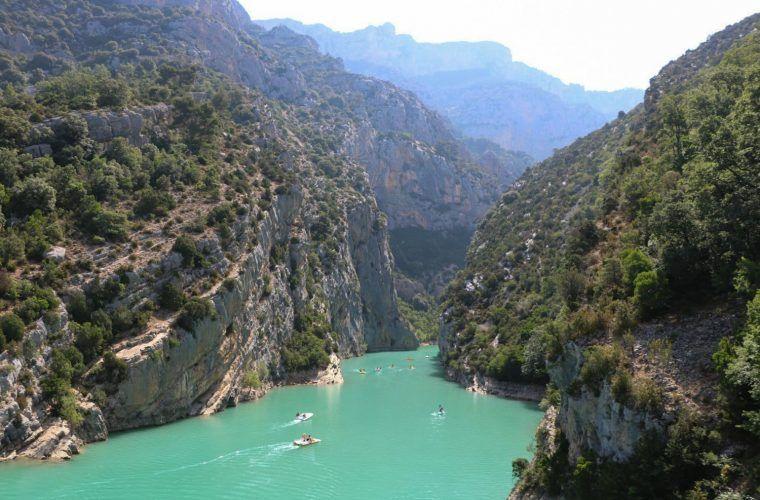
(304,416)
(304,442)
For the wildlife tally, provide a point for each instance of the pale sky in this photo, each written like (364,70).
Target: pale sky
(602,44)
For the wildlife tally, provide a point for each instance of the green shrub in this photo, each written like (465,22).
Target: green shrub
(650,292)
(56,387)
(622,387)
(11,248)
(571,285)
(33,194)
(647,395)
(124,319)
(600,362)
(171,297)
(519,465)
(12,327)
(251,379)
(89,339)
(304,351)
(97,221)
(634,261)
(151,202)
(195,310)
(506,364)
(114,367)
(185,246)
(77,307)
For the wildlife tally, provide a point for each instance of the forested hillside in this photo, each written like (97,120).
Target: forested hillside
(624,271)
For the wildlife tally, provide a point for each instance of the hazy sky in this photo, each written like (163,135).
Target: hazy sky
(602,44)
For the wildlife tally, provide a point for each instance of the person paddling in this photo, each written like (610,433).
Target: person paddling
(441,410)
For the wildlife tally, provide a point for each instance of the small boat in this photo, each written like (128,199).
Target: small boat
(304,416)
(306,442)
(362,371)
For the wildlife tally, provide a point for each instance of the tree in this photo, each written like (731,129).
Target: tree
(89,339)
(171,297)
(11,248)
(195,310)
(649,293)
(12,327)
(744,370)
(33,193)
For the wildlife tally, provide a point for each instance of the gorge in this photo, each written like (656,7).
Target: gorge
(197,212)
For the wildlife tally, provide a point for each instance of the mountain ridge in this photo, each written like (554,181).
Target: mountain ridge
(428,68)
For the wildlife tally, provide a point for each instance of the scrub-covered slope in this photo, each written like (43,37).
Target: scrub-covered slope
(624,270)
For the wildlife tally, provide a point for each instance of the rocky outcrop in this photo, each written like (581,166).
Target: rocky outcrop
(596,421)
(137,125)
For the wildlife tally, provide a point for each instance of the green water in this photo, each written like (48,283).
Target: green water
(381,439)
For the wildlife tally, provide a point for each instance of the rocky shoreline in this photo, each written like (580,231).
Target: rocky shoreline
(485,385)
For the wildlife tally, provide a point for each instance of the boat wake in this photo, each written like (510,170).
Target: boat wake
(256,454)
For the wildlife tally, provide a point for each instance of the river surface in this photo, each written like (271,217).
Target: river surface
(381,439)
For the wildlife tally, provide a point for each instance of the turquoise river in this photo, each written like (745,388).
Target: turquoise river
(381,439)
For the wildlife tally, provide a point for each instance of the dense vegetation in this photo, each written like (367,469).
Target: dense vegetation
(653,215)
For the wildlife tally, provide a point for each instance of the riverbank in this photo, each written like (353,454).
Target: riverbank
(486,385)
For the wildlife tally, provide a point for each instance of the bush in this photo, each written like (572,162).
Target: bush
(152,202)
(650,292)
(124,319)
(601,361)
(571,285)
(195,310)
(251,379)
(115,368)
(77,307)
(11,248)
(56,387)
(622,387)
(33,194)
(12,327)
(89,339)
(97,221)
(634,262)
(304,351)
(171,297)
(506,364)
(519,465)
(647,395)
(185,246)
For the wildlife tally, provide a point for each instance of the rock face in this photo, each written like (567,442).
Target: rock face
(596,422)
(173,374)
(136,125)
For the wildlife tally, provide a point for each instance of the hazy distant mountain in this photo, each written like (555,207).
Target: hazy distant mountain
(476,85)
